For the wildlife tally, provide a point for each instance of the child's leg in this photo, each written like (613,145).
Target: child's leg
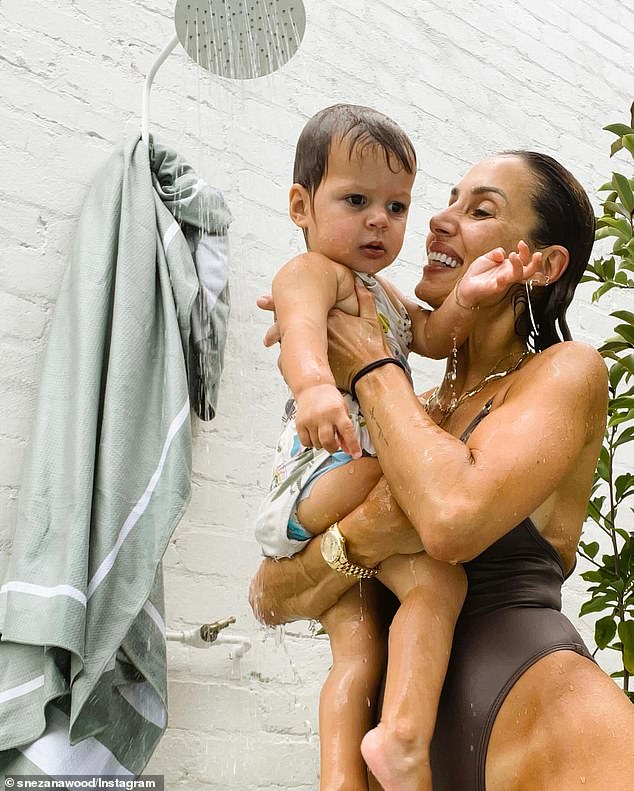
(337,493)
(357,632)
(431,595)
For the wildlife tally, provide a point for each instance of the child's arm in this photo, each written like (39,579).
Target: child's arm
(304,290)
(488,278)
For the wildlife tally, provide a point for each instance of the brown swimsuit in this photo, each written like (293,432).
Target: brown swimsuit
(511,618)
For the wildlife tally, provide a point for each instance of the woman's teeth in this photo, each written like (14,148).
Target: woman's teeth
(443,259)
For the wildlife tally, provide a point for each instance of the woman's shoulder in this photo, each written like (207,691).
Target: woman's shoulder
(570,379)
(570,363)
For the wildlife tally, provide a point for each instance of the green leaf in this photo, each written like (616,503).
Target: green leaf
(626,331)
(623,417)
(594,512)
(614,345)
(603,465)
(603,232)
(622,279)
(624,401)
(617,372)
(609,268)
(626,634)
(624,315)
(628,142)
(590,549)
(624,436)
(612,208)
(596,605)
(602,290)
(592,576)
(624,189)
(627,361)
(616,146)
(619,129)
(604,631)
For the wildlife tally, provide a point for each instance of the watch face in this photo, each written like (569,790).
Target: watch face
(330,548)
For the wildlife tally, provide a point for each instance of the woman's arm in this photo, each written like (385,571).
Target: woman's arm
(461,497)
(304,586)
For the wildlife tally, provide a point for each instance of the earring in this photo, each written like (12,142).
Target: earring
(529,288)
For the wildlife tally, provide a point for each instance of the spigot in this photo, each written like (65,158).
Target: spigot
(209,634)
(209,631)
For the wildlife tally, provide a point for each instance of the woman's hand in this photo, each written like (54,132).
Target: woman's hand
(354,342)
(378,529)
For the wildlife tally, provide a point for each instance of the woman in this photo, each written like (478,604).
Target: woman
(493,469)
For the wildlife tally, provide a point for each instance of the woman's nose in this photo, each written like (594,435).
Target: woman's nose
(442,224)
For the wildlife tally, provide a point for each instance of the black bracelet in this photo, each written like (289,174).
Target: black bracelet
(371,367)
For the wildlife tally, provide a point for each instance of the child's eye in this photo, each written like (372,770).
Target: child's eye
(396,207)
(356,200)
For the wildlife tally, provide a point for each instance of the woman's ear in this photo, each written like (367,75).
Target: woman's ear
(555,260)
(299,205)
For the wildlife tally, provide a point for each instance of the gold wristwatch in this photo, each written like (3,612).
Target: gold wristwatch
(333,551)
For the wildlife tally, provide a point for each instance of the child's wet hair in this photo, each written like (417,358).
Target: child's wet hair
(361,127)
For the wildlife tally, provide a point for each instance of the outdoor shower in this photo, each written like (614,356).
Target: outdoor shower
(235,39)
(240,40)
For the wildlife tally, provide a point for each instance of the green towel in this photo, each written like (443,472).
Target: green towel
(82,656)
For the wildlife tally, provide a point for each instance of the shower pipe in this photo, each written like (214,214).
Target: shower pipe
(209,634)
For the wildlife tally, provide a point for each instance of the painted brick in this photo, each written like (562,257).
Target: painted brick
(30,317)
(464,81)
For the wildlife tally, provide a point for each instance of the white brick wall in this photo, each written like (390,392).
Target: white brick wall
(465,79)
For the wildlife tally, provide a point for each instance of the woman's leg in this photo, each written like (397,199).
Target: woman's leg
(357,632)
(431,595)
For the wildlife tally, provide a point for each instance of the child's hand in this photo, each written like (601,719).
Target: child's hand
(322,421)
(490,275)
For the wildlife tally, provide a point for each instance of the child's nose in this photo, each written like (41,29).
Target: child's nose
(377,218)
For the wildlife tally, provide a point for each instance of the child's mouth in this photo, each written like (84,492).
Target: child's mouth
(373,248)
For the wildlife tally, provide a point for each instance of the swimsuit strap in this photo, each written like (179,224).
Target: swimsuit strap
(476,421)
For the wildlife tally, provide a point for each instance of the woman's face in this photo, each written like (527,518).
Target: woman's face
(490,207)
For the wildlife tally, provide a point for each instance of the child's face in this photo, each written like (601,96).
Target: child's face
(359,211)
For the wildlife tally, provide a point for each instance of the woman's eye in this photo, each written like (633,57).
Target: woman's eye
(356,200)
(481,213)
(396,207)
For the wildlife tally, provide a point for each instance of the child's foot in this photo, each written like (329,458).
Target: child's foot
(399,764)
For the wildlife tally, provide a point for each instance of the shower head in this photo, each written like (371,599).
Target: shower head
(240,39)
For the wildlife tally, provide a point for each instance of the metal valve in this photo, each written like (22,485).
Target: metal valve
(209,631)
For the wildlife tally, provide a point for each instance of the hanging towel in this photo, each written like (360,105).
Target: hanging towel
(204,218)
(82,655)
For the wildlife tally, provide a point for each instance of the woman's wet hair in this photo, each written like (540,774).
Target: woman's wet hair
(564,217)
(362,128)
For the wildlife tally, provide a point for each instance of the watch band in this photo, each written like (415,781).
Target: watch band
(352,570)
(333,548)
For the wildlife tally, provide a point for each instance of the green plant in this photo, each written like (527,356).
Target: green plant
(612,578)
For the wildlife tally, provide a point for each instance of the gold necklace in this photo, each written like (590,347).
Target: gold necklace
(433,402)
